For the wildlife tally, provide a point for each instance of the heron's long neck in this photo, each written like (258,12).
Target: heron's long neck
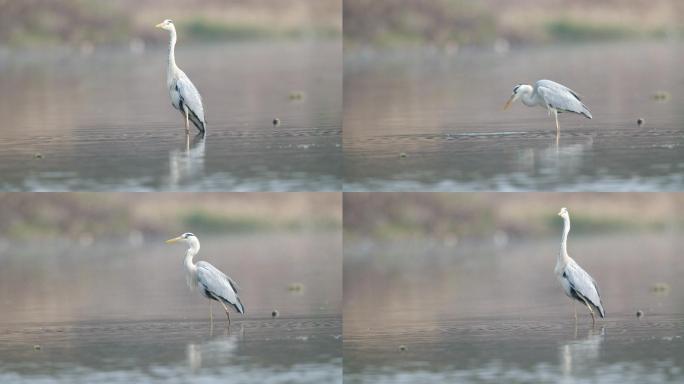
(172,51)
(189,265)
(563,254)
(530,99)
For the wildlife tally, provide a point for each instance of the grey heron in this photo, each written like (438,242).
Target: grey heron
(184,95)
(576,282)
(556,98)
(212,283)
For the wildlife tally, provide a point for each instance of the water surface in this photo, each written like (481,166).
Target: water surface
(121,312)
(104,121)
(421,120)
(434,312)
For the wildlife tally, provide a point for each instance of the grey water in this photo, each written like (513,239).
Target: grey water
(103,121)
(432,120)
(121,312)
(434,311)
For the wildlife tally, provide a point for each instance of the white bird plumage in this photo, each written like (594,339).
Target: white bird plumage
(211,282)
(555,97)
(184,95)
(576,282)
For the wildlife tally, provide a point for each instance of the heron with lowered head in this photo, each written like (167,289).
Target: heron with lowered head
(555,97)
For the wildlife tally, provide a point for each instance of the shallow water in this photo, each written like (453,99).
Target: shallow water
(443,112)
(495,313)
(123,313)
(104,121)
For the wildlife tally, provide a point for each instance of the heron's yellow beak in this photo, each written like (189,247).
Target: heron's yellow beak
(169,241)
(159,25)
(509,102)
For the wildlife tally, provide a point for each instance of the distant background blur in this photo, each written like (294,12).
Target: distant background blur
(87,23)
(513,215)
(89,216)
(456,22)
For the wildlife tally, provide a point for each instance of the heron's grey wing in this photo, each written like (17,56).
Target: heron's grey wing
(583,284)
(190,96)
(562,98)
(219,285)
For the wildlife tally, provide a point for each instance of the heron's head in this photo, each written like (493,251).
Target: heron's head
(166,24)
(518,90)
(564,213)
(187,238)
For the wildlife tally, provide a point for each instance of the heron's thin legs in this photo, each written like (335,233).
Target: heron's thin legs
(555,114)
(591,311)
(187,127)
(593,318)
(574,306)
(211,314)
(227,313)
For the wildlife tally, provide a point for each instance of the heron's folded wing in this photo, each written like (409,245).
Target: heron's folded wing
(216,282)
(190,96)
(561,97)
(583,283)
(553,85)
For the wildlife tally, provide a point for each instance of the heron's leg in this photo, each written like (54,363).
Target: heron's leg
(574,306)
(555,114)
(187,127)
(593,318)
(227,313)
(591,311)
(211,314)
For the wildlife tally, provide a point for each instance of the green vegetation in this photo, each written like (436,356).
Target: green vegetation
(38,23)
(88,215)
(203,29)
(576,30)
(447,23)
(207,222)
(437,21)
(88,23)
(472,215)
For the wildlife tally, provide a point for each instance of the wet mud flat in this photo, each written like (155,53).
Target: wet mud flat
(280,350)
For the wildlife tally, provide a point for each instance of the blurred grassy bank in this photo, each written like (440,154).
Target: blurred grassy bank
(456,22)
(39,23)
(483,215)
(33,216)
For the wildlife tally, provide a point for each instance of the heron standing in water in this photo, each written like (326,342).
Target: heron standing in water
(576,282)
(212,283)
(184,95)
(556,98)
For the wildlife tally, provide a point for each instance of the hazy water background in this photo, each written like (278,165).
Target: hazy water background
(121,312)
(103,121)
(492,311)
(443,110)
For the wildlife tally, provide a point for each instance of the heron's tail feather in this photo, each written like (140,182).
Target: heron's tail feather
(238,306)
(201,125)
(241,307)
(586,112)
(598,308)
